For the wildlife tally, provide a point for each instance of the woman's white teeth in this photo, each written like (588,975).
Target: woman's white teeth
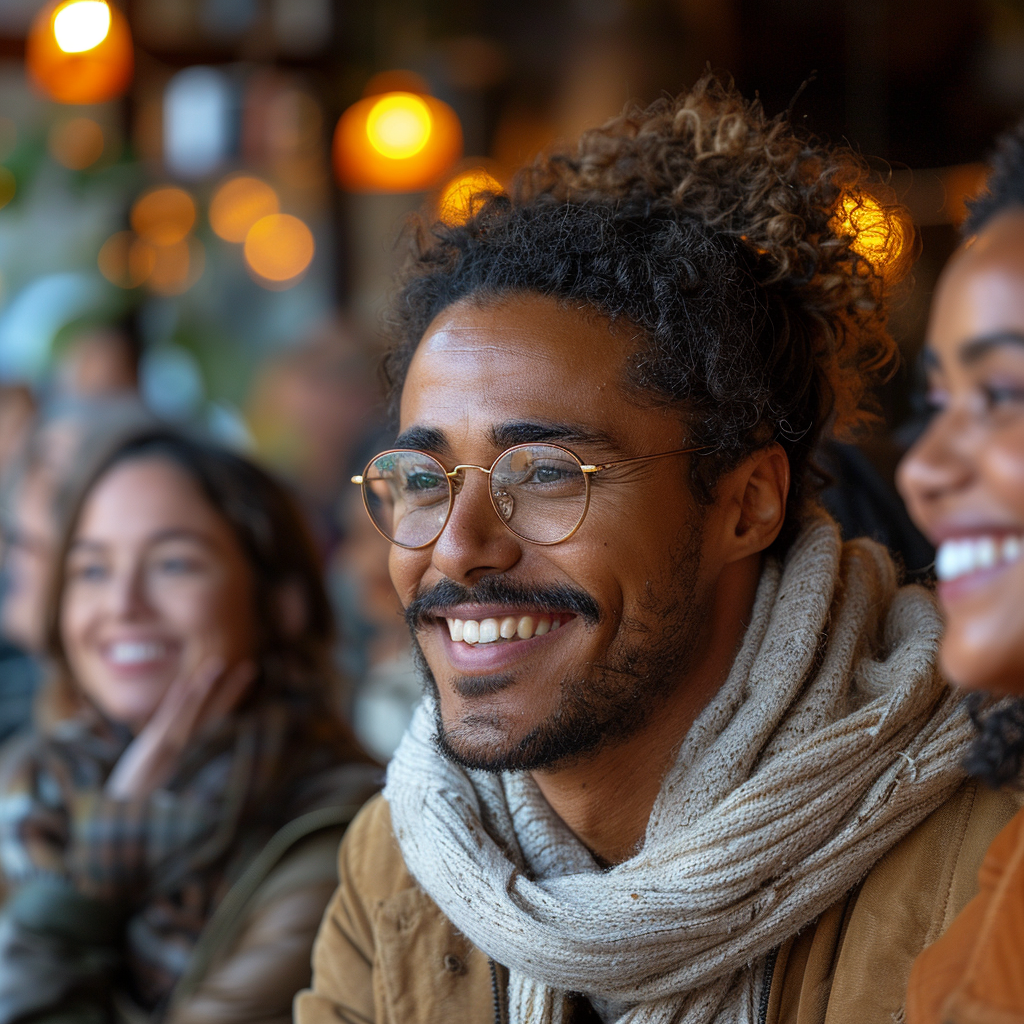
(511,627)
(964,555)
(135,652)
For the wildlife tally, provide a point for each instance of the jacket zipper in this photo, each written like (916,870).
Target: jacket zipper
(495,992)
(766,988)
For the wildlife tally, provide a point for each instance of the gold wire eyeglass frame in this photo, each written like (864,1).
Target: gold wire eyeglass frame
(588,470)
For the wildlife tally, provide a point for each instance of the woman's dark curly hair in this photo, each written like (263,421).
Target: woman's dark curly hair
(714,230)
(997,753)
(1005,186)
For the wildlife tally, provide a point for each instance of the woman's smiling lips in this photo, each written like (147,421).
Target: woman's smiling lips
(967,561)
(137,654)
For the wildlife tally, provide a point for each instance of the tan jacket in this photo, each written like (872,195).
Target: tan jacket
(386,954)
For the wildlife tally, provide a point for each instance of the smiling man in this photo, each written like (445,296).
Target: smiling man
(683,755)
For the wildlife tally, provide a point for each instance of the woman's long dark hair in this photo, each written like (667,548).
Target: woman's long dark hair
(276,543)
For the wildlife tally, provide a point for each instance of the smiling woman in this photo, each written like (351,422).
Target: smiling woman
(964,485)
(189,726)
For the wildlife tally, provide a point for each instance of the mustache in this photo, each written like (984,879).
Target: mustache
(446,594)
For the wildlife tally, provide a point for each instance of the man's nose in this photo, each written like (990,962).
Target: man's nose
(474,542)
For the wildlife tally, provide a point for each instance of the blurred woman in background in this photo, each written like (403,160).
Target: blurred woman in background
(168,837)
(964,485)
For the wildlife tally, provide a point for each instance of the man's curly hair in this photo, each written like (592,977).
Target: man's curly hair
(712,229)
(1005,186)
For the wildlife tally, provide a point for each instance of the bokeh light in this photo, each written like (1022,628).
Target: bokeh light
(238,203)
(164,216)
(129,261)
(278,248)
(81,25)
(396,142)
(458,198)
(8,186)
(398,125)
(176,267)
(879,234)
(77,143)
(123,261)
(80,51)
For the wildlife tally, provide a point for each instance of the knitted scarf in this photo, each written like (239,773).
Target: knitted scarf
(832,737)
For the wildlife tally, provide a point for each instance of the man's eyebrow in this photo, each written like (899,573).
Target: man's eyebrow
(504,435)
(977,348)
(424,439)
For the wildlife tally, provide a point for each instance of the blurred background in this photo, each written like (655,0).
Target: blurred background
(199,198)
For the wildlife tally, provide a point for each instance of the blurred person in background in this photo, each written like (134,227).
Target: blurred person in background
(375,651)
(19,673)
(964,485)
(29,487)
(308,410)
(100,362)
(168,837)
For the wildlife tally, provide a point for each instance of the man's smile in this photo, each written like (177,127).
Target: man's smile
(491,640)
(509,626)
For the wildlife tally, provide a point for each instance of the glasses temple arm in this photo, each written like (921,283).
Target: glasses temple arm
(645,458)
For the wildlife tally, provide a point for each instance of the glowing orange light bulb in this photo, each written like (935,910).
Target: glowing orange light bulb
(458,198)
(396,142)
(81,25)
(879,235)
(398,125)
(80,51)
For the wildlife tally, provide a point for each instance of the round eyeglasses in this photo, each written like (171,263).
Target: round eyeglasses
(540,492)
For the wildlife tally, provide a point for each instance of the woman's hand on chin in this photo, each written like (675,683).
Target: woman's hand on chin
(203,695)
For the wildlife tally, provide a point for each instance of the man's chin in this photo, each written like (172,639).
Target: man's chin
(488,743)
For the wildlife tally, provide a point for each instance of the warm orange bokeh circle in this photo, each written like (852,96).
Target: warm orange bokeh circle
(373,154)
(95,75)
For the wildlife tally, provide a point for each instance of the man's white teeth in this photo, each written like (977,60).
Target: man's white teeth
(135,652)
(964,555)
(511,627)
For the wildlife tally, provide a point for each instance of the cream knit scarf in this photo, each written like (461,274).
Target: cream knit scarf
(832,737)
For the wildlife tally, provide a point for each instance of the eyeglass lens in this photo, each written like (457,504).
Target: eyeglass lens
(538,491)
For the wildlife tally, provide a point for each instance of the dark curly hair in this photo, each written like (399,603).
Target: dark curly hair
(997,753)
(724,236)
(1005,185)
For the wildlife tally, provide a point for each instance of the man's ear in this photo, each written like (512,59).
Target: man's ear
(754,499)
(292,612)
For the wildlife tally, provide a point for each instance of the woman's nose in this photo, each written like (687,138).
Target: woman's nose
(128,597)
(474,542)
(938,463)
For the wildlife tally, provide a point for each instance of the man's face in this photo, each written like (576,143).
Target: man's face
(628,590)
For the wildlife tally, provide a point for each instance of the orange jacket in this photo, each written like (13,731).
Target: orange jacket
(974,974)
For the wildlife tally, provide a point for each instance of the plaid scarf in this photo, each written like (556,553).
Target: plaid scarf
(164,863)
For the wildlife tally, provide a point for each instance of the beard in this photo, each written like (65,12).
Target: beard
(608,701)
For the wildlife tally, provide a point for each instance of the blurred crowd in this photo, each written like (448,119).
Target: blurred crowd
(311,418)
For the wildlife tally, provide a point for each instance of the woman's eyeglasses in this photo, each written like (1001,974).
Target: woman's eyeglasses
(541,492)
